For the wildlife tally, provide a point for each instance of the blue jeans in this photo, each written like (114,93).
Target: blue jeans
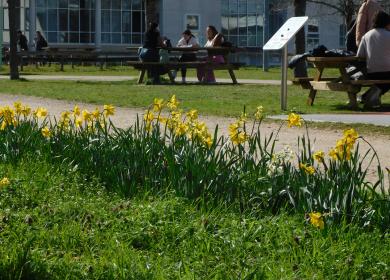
(151,55)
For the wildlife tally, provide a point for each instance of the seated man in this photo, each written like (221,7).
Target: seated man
(375,47)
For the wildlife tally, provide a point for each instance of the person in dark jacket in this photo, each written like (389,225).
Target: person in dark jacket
(150,51)
(40,42)
(22,41)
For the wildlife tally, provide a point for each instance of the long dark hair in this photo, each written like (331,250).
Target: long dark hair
(381,20)
(213,29)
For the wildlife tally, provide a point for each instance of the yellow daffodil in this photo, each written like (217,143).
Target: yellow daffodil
(79,122)
(158,104)
(86,115)
(316,219)
(181,129)
(148,116)
(18,107)
(350,136)
(294,120)
(76,110)
(192,115)
(208,141)
(173,103)
(40,112)
(4,182)
(319,156)
(307,168)
(26,110)
(259,113)
(96,113)
(3,125)
(109,110)
(46,132)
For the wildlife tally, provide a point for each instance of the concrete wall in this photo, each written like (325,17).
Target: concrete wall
(172,16)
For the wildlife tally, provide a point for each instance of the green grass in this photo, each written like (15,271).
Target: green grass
(220,100)
(244,72)
(60,225)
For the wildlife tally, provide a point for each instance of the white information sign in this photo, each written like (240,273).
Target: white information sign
(285,33)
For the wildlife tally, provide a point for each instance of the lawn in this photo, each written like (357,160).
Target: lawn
(244,73)
(62,225)
(220,100)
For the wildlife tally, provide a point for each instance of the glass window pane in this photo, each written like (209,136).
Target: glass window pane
(52,37)
(74,37)
(126,5)
(52,20)
(73,20)
(116,38)
(63,37)
(242,7)
(126,38)
(85,20)
(106,38)
(136,22)
(85,37)
(63,19)
(52,4)
(106,21)
(116,21)
(136,39)
(74,4)
(41,19)
(116,4)
(41,3)
(63,3)
(126,21)
(106,4)
(137,4)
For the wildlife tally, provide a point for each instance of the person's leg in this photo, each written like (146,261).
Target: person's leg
(217,59)
(381,76)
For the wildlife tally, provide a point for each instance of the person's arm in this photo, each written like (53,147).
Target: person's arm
(181,43)
(361,23)
(362,51)
(217,40)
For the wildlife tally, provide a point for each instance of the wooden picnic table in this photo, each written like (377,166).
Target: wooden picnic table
(174,65)
(342,82)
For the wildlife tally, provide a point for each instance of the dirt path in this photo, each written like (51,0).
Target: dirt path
(323,139)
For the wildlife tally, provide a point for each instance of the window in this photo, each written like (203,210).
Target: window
(313,34)
(122,21)
(66,21)
(242,22)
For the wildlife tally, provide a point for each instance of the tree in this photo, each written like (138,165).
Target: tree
(151,8)
(346,8)
(300,39)
(13,56)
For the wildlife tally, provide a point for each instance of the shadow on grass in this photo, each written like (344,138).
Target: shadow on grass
(385,108)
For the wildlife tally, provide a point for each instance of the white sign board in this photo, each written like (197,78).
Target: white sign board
(285,33)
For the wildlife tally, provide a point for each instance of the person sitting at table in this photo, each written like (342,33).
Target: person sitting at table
(22,41)
(40,42)
(365,18)
(150,51)
(187,41)
(375,48)
(214,39)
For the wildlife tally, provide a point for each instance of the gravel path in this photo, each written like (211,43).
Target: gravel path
(323,139)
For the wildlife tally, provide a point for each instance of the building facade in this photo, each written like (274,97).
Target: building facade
(120,23)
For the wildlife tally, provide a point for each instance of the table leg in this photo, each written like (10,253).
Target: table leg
(313,92)
(171,77)
(141,76)
(231,73)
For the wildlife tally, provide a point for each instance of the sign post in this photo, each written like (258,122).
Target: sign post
(279,41)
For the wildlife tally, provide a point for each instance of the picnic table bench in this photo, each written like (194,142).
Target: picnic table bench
(175,65)
(342,83)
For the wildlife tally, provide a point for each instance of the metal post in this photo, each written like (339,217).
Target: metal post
(283,96)
(33,23)
(265,33)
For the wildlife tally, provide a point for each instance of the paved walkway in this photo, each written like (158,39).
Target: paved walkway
(131,78)
(380,118)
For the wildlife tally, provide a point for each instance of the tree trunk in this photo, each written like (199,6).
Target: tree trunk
(13,56)
(151,10)
(300,40)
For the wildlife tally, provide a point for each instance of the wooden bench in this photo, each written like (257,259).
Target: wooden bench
(144,66)
(343,83)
